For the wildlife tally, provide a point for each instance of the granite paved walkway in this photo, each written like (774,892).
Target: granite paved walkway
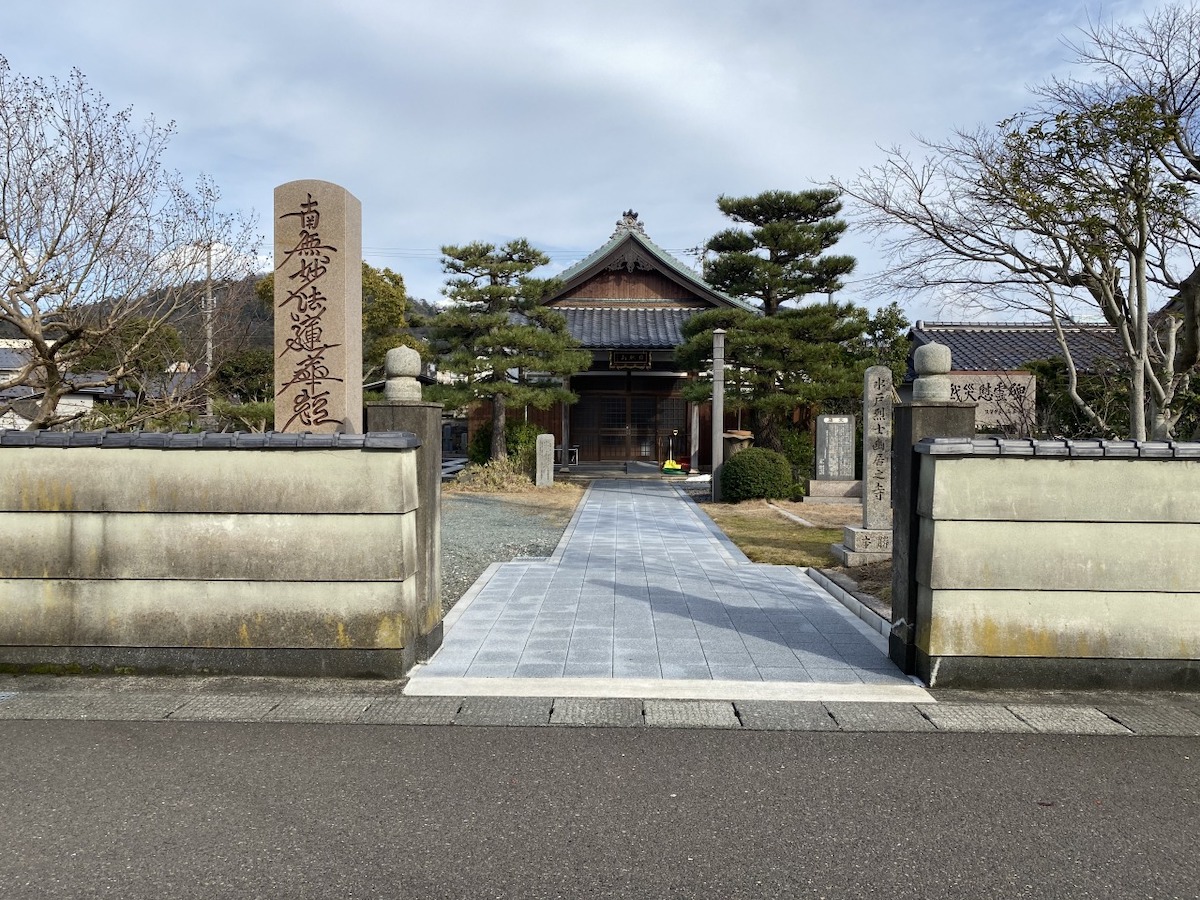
(645,597)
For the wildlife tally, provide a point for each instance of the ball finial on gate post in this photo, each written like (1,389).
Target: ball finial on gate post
(932,362)
(402,365)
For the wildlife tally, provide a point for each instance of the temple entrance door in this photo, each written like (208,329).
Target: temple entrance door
(643,419)
(615,427)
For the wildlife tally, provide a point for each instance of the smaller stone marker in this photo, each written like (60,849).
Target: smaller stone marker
(873,541)
(545,461)
(834,480)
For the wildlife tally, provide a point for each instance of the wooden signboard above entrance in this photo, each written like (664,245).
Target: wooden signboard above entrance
(629,359)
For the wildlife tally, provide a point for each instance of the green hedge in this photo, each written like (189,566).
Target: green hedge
(756,473)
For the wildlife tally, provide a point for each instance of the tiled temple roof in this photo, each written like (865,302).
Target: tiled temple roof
(1006,346)
(618,327)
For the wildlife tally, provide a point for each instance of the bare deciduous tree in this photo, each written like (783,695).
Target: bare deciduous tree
(1083,206)
(103,250)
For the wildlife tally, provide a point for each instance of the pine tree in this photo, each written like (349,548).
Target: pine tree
(508,348)
(780,259)
(812,356)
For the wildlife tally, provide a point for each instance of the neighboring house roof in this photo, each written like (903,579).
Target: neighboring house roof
(1007,346)
(631,293)
(12,359)
(627,328)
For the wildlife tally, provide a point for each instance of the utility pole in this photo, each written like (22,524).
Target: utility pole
(208,340)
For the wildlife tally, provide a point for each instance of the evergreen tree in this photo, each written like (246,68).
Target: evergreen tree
(507,347)
(781,258)
(385,305)
(812,356)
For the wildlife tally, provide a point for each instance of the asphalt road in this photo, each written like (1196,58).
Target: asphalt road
(198,810)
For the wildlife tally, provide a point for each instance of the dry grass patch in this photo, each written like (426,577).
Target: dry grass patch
(560,498)
(768,537)
(873,578)
(824,515)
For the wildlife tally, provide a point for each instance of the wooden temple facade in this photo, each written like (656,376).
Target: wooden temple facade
(627,304)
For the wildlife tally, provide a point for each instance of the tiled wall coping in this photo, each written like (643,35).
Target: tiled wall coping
(379,440)
(1065,449)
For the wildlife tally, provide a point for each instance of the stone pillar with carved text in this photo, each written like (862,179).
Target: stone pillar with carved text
(873,541)
(318,308)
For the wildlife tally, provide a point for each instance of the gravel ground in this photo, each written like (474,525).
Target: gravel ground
(481,529)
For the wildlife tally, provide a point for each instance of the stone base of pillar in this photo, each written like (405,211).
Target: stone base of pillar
(835,490)
(860,546)
(853,558)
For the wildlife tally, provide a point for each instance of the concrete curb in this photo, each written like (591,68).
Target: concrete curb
(873,620)
(1112,721)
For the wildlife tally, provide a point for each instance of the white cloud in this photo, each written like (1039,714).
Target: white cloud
(475,119)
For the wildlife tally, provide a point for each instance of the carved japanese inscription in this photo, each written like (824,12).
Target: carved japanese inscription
(318,308)
(877,448)
(835,448)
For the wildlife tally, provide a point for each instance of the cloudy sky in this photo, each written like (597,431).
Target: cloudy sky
(467,120)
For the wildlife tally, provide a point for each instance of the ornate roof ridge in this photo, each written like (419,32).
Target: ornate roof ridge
(630,228)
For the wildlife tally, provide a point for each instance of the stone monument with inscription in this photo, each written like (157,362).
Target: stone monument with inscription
(872,542)
(834,480)
(318,308)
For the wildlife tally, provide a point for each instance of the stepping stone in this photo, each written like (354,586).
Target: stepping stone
(411,711)
(974,717)
(1052,719)
(1157,720)
(602,712)
(784,715)
(691,714)
(505,711)
(878,717)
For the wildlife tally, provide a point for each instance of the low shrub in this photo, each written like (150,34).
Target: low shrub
(494,476)
(520,438)
(756,473)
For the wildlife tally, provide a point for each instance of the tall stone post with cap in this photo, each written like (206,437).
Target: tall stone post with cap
(718,411)
(930,413)
(402,409)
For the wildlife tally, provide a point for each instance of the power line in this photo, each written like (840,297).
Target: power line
(435,253)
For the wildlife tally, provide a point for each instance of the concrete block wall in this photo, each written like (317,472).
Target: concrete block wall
(261,554)
(1058,563)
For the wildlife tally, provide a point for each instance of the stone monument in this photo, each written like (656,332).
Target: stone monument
(834,481)
(873,541)
(544,473)
(318,308)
